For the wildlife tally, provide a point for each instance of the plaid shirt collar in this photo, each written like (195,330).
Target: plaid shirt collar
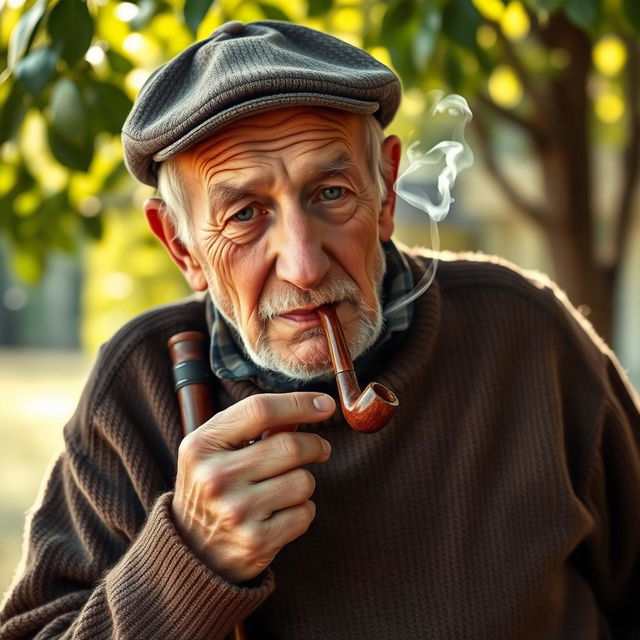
(228,359)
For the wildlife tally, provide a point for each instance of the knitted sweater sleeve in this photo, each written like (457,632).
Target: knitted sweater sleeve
(612,497)
(104,559)
(601,419)
(602,440)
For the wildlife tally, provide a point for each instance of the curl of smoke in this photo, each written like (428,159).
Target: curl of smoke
(438,165)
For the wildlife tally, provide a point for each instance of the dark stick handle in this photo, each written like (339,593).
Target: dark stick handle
(192,377)
(193,383)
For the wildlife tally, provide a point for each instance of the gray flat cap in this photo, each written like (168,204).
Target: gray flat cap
(243,69)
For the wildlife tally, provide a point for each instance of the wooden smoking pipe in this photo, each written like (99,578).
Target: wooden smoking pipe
(193,383)
(366,411)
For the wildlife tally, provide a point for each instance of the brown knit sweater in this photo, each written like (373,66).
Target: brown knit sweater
(502,502)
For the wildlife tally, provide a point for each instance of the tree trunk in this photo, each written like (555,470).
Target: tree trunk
(586,285)
(556,117)
(566,161)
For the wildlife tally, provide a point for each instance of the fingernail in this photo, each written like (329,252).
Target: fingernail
(326,447)
(323,403)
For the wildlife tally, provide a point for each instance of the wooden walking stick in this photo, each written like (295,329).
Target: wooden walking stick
(193,384)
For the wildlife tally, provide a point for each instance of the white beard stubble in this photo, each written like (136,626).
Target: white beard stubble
(369,322)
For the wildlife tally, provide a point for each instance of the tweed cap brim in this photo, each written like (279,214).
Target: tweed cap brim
(246,69)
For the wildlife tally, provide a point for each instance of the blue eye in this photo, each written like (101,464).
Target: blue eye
(332,193)
(246,214)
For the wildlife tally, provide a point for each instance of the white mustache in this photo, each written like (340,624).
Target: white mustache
(285,300)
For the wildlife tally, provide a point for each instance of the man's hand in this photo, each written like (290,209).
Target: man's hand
(237,507)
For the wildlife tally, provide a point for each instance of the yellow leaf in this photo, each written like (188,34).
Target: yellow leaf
(609,55)
(505,88)
(515,22)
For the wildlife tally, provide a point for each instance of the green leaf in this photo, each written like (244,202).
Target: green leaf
(147,10)
(271,12)
(317,8)
(23,32)
(118,62)
(68,113)
(460,20)
(12,112)
(550,5)
(93,226)
(61,237)
(23,181)
(426,36)
(453,71)
(584,13)
(109,106)
(485,62)
(400,26)
(36,70)
(545,5)
(54,206)
(115,175)
(397,17)
(194,12)
(70,155)
(69,136)
(56,218)
(631,10)
(71,28)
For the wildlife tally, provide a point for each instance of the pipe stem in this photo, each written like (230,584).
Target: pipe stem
(366,411)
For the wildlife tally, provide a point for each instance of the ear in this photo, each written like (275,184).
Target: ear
(183,256)
(391,150)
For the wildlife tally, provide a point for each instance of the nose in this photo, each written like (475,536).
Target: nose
(301,257)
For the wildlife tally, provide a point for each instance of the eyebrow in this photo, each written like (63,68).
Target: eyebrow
(224,194)
(336,165)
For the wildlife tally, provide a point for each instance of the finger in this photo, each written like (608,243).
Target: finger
(288,524)
(260,541)
(282,492)
(250,417)
(271,432)
(278,455)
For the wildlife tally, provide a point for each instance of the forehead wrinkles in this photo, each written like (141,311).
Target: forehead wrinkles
(289,137)
(253,135)
(305,155)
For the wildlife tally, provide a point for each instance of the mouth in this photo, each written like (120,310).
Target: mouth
(306,315)
(302,316)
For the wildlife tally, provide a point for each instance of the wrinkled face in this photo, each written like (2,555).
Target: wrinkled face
(285,217)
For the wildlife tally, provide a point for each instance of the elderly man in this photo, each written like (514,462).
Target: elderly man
(501,502)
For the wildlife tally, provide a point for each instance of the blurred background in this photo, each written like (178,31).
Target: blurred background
(554,86)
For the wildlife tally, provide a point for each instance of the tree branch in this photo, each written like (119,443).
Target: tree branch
(631,153)
(532,210)
(527,125)
(514,61)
